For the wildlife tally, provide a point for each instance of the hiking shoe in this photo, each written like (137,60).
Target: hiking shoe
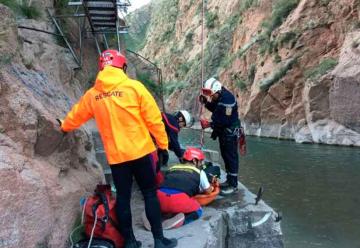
(145,221)
(165,243)
(132,244)
(174,222)
(229,190)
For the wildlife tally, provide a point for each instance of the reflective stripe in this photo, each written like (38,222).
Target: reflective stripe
(227,105)
(185,167)
(233,174)
(168,123)
(212,83)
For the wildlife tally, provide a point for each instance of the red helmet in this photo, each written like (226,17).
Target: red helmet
(113,58)
(192,153)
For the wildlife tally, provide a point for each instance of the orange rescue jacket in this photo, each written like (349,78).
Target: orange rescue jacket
(125,112)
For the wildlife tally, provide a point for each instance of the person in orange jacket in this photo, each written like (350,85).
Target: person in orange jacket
(127,116)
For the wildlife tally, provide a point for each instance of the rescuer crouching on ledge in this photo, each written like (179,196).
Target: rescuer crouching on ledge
(176,194)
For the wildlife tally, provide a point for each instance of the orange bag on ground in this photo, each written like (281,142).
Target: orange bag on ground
(102,205)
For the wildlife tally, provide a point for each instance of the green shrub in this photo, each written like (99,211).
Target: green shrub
(281,10)
(277,58)
(228,60)
(79,233)
(12,4)
(210,19)
(266,83)
(5,59)
(171,86)
(241,84)
(184,68)
(251,73)
(167,13)
(247,4)
(30,12)
(189,37)
(152,86)
(288,37)
(325,2)
(324,66)
(217,48)
(23,8)
(167,35)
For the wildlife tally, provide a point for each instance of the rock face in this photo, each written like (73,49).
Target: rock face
(292,64)
(43,171)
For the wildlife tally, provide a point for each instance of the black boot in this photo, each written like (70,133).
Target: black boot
(165,243)
(132,244)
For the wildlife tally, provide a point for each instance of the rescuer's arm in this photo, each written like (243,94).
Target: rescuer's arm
(150,113)
(205,186)
(174,144)
(80,113)
(209,105)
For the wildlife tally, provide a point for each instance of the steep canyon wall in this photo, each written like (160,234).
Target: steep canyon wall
(293,65)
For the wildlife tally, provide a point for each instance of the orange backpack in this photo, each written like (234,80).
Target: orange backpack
(100,215)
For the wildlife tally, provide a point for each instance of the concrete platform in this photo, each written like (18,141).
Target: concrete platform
(226,223)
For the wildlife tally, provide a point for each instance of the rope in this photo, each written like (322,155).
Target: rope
(72,233)
(81,223)
(202,69)
(92,231)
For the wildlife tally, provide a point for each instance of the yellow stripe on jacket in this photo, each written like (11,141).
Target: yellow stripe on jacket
(125,113)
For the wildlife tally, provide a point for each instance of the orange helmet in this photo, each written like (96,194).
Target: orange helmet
(113,58)
(192,153)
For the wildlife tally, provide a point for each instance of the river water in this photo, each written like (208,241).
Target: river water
(316,187)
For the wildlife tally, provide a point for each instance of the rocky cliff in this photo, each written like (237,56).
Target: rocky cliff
(293,64)
(43,172)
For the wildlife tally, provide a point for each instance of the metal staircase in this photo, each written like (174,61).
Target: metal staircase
(105,17)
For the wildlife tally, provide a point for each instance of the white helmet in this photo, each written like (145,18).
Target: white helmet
(211,86)
(187,117)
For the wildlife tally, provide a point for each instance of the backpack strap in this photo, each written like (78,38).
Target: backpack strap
(102,201)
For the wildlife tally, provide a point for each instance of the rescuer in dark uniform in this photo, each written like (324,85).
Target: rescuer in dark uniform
(173,124)
(226,126)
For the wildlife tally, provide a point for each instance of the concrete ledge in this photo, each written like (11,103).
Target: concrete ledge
(224,224)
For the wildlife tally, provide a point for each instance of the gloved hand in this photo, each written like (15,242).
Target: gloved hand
(215,182)
(181,159)
(163,157)
(59,121)
(202,99)
(204,123)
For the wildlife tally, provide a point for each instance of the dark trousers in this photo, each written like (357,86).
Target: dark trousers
(142,170)
(229,153)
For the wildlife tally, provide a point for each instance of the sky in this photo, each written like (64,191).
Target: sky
(135,4)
